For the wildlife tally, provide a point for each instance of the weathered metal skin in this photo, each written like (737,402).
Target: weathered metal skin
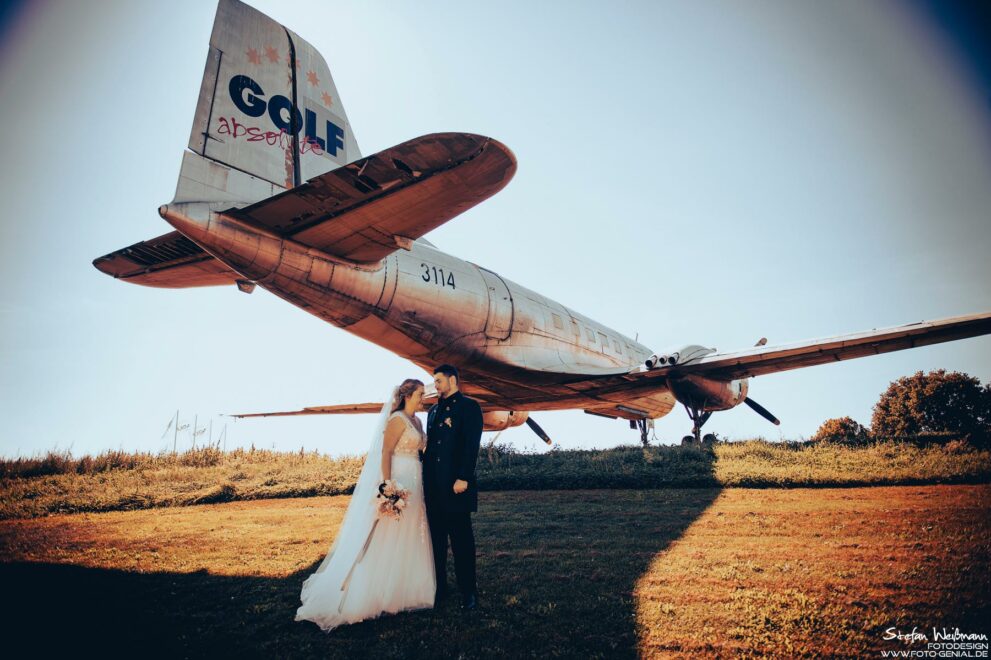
(707,394)
(427,306)
(500,420)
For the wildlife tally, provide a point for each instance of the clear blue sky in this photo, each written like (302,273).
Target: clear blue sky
(688,172)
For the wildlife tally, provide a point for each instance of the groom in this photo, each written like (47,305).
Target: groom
(454,431)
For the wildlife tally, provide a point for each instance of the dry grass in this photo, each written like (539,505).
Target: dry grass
(690,572)
(763,464)
(59,483)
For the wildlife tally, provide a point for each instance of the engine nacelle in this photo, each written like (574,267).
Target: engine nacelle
(707,394)
(683,355)
(499,420)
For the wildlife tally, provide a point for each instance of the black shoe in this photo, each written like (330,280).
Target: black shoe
(469,602)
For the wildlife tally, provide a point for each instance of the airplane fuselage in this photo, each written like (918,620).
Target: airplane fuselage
(431,307)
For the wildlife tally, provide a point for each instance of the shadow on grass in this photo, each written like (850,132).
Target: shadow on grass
(556,574)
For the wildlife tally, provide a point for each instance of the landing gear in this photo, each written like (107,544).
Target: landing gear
(698,418)
(643,425)
(708,440)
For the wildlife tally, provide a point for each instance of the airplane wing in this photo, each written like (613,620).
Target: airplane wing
(625,394)
(368,209)
(767,360)
(363,211)
(344,409)
(429,399)
(762,360)
(170,261)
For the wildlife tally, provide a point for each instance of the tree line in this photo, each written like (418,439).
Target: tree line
(939,405)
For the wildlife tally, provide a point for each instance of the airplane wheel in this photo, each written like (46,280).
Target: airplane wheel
(708,439)
(688,441)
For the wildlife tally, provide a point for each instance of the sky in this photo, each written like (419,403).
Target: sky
(705,172)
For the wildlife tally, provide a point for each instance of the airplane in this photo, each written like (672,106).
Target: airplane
(273,192)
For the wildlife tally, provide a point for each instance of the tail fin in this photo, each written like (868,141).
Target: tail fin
(268,117)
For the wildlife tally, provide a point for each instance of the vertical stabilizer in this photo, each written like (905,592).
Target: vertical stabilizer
(268,117)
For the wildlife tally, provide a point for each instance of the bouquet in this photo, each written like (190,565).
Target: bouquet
(394,499)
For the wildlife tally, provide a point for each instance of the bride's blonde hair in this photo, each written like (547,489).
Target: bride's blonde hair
(403,392)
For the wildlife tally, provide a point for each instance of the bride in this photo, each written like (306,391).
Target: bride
(379,564)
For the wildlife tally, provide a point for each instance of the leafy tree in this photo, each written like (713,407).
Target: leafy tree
(841,429)
(936,402)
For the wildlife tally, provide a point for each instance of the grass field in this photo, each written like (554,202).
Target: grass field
(114,481)
(688,572)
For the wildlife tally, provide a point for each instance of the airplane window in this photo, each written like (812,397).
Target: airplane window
(616,346)
(558,323)
(591,335)
(604,340)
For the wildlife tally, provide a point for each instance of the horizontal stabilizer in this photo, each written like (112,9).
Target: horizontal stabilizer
(170,261)
(361,212)
(367,209)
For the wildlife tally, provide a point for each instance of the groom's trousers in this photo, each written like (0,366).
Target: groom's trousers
(455,525)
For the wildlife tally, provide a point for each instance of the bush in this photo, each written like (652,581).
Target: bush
(938,402)
(844,430)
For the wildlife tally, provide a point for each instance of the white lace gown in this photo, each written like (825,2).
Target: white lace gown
(397,570)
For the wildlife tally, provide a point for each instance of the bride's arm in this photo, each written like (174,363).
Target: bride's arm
(393,431)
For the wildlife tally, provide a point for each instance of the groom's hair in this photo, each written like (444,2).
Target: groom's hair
(448,371)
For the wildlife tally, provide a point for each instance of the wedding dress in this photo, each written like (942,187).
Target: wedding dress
(377,565)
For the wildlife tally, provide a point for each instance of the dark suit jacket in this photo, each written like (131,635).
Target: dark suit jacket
(452,451)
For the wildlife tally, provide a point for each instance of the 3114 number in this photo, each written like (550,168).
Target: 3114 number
(436,275)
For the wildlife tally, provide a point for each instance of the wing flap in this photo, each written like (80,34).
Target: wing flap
(356,212)
(170,261)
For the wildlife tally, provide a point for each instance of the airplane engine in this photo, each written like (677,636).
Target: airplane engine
(683,355)
(502,419)
(706,394)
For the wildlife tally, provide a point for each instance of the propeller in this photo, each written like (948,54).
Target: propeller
(536,429)
(762,411)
